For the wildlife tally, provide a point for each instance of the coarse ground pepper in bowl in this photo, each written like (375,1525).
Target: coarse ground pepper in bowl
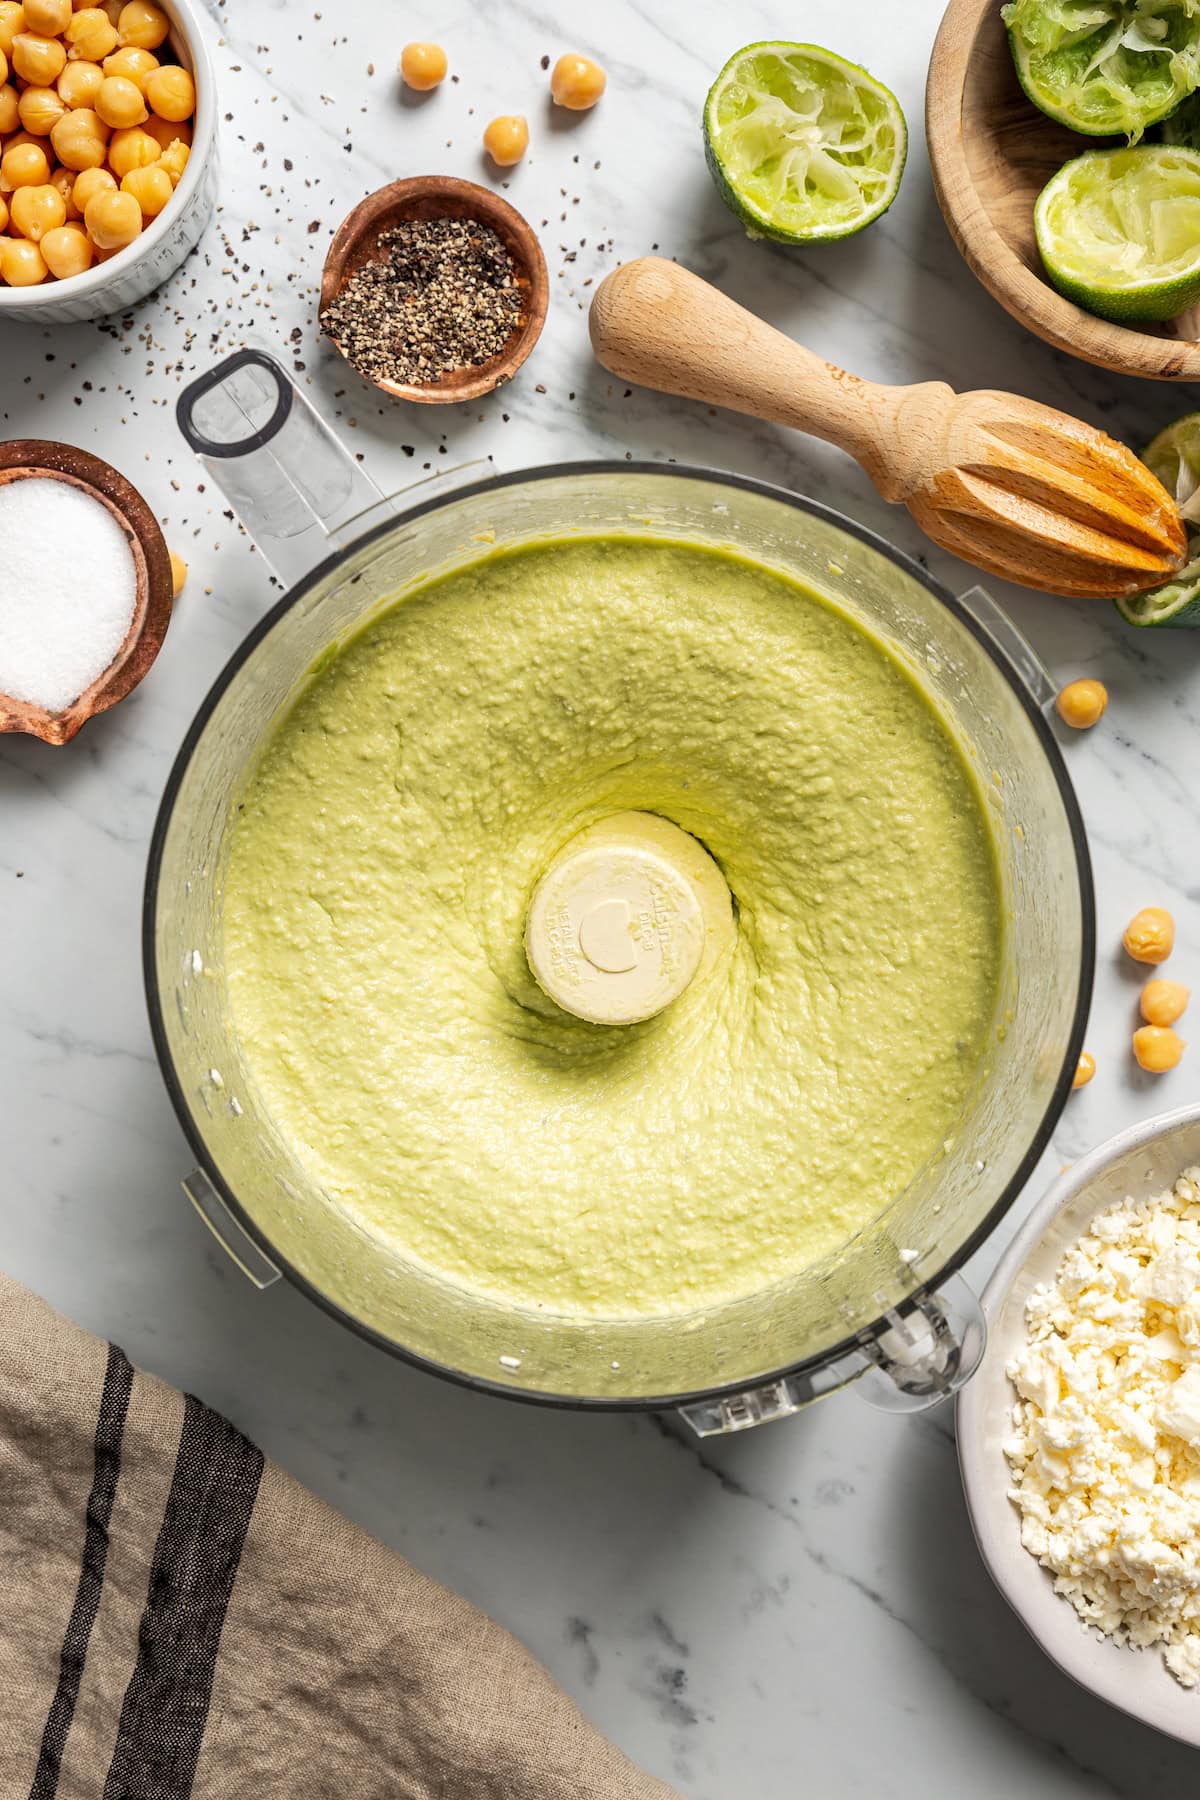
(434,289)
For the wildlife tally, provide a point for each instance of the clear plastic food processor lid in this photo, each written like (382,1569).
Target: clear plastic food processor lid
(619,927)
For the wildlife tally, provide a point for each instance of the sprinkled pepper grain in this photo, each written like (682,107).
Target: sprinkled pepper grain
(443,296)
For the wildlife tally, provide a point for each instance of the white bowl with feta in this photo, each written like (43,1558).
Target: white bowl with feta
(1079,1437)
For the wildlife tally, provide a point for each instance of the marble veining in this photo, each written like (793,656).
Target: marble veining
(798,1610)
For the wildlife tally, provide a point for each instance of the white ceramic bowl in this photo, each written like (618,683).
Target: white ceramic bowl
(158,251)
(1145,1160)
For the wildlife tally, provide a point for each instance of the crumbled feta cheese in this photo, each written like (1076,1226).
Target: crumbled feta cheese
(1179,1412)
(1105,1445)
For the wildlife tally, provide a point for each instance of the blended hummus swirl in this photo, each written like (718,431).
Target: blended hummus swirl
(382,865)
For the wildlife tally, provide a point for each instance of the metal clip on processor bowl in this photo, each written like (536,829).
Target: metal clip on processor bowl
(889,1308)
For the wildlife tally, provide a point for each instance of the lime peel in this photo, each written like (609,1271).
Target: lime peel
(1119,231)
(1174,456)
(803,146)
(1104,67)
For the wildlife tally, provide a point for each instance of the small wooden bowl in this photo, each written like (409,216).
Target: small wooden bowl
(23,457)
(445,197)
(992,152)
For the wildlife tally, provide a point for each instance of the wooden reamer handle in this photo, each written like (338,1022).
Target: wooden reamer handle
(657,325)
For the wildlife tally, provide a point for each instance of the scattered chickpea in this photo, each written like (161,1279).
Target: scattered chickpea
(1081,704)
(91,35)
(142,24)
(1157,1048)
(1150,935)
(80,139)
(48,17)
(67,251)
(507,139)
(423,66)
(40,109)
(1085,1068)
(179,573)
(171,93)
(23,165)
(112,220)
(36,210)
(10,105)
(1163,1002)
(576,82)
(3,215)
(21,262)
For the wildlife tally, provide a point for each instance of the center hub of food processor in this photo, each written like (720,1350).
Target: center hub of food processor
(621,920)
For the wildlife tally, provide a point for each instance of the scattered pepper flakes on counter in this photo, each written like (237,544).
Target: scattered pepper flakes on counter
(443,296)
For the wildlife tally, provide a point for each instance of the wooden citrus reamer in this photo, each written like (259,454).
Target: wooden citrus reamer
(1017,488)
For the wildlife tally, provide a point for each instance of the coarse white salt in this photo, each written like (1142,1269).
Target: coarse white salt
(68,587)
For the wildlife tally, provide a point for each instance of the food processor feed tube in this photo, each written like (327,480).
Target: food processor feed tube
(643,906)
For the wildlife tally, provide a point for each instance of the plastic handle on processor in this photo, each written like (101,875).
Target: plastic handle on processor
(291,481)
(991,617)
(288,478)
(236,1242)
(927,1351)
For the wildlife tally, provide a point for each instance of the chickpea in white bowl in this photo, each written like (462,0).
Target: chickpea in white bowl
(107,163)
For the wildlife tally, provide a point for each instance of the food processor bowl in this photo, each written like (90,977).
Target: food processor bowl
(883,1299)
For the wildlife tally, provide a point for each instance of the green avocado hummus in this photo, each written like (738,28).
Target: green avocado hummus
(396,828)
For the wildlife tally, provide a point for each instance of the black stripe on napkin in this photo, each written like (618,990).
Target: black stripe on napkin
(191,1578)
(110,1430)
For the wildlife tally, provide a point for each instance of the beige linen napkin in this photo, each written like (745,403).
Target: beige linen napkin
(178,1617)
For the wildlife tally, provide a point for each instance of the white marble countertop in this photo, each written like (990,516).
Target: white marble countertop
(800,1610)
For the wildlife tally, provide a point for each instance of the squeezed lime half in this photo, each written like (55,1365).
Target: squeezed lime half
(1119,231)
(1106,66)
(804,146)
(1174,457)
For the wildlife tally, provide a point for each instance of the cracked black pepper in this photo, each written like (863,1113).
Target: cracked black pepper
(442,296)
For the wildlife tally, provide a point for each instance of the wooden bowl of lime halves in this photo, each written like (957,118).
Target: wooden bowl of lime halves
(992,151)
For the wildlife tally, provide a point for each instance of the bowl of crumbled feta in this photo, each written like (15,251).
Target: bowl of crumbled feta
(1079,1438)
